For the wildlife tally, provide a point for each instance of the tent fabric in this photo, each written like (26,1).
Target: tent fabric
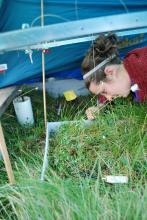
(1,2)
(63,61)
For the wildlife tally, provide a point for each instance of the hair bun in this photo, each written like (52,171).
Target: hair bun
(113,38)
(105,46)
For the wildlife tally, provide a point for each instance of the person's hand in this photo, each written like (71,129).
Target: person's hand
(91,112)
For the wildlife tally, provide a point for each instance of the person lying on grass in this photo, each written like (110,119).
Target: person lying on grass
(108,77)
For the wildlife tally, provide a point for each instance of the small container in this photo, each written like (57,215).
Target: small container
(23,110)
(116,179)
(70,95)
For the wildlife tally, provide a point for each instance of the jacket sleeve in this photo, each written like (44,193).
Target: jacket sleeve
(136,65)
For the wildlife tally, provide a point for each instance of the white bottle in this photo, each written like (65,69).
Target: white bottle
(116,179)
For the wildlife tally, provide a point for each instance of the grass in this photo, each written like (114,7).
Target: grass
(79,157)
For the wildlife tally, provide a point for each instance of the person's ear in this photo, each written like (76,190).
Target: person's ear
(109,71)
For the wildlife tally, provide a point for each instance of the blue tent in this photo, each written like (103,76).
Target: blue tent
(64,61)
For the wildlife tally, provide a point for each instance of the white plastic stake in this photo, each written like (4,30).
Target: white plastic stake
(116,179)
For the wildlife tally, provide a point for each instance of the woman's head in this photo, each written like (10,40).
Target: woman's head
(102,70)
(116,83)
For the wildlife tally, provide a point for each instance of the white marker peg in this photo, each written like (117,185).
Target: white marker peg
(116,179)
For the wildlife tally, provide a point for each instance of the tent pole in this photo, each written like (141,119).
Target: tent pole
(44,88)
(43,68)
(4,151)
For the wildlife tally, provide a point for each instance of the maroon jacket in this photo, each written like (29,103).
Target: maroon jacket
(135,63)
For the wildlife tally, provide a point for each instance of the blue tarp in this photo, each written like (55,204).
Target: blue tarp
(61,61)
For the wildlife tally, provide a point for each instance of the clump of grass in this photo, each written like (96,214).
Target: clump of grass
(61,199)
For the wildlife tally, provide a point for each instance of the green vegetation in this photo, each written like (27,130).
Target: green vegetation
(115,144)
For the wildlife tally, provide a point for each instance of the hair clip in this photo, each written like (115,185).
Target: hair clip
(99,66)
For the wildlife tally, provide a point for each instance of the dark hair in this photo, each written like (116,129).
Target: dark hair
(103,47)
